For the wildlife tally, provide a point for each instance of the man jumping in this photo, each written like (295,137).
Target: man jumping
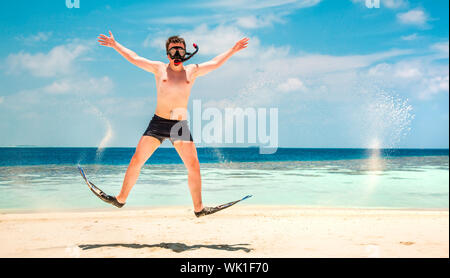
(173,87)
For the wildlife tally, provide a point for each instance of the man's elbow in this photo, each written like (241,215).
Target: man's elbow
(135,60)
(215,64)
(130,58)
(212,66)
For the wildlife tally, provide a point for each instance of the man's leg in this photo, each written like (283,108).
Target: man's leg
(145,148)
(188,153)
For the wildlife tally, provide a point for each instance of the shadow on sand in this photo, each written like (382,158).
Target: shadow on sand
(175,247)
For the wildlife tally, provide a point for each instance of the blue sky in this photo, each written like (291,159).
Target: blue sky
(341,74)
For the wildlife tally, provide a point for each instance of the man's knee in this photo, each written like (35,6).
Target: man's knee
(193,166)
(138,160)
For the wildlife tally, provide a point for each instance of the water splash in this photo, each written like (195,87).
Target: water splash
(105,140)
(375,166)
(221,157)
(109,134)
(386,118)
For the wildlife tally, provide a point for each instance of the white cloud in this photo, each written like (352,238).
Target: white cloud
(130,107)
(2,99)
(390,4)
(394,4)
(249,22)
(413,17)
(442,48)
(39,37)
(169,20)
(90,86)
(259,4)
(59,93)
(379,69)
(408,73)
(58,61)
(313,64)
(434,86)
(292,84)
(253,22)
(248,14)
(244,20)
(58,87)
(418,77)
(411,37)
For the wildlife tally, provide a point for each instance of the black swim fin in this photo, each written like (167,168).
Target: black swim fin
(206,211)
(211,210)
(105,197)
(99,193)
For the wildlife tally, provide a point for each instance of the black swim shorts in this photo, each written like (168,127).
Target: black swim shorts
(174,130)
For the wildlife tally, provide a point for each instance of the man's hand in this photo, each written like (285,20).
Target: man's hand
(240,44)
(131,56)
(107,41)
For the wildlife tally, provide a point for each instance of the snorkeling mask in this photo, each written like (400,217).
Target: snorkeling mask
(179,54)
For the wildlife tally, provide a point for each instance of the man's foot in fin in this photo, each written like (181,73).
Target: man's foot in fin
(206,211)
(115,202)
(110,199)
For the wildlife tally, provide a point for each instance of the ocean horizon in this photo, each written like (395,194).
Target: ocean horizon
(17,156)
(35,178)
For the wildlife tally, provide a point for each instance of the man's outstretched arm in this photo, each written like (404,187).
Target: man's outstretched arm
(206,67)
(131,56)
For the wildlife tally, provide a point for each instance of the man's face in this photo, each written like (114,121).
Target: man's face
(175,62)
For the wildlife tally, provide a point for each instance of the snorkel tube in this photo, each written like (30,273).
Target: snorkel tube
(189,55)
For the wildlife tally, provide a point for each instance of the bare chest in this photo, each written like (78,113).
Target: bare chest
(170,81)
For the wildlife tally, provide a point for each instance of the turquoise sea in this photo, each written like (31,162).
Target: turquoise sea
(47,178)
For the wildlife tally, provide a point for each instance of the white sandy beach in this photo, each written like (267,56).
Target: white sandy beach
(244,231)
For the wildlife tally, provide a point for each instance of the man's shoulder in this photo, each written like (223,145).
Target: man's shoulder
(191,67)
(161,64)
